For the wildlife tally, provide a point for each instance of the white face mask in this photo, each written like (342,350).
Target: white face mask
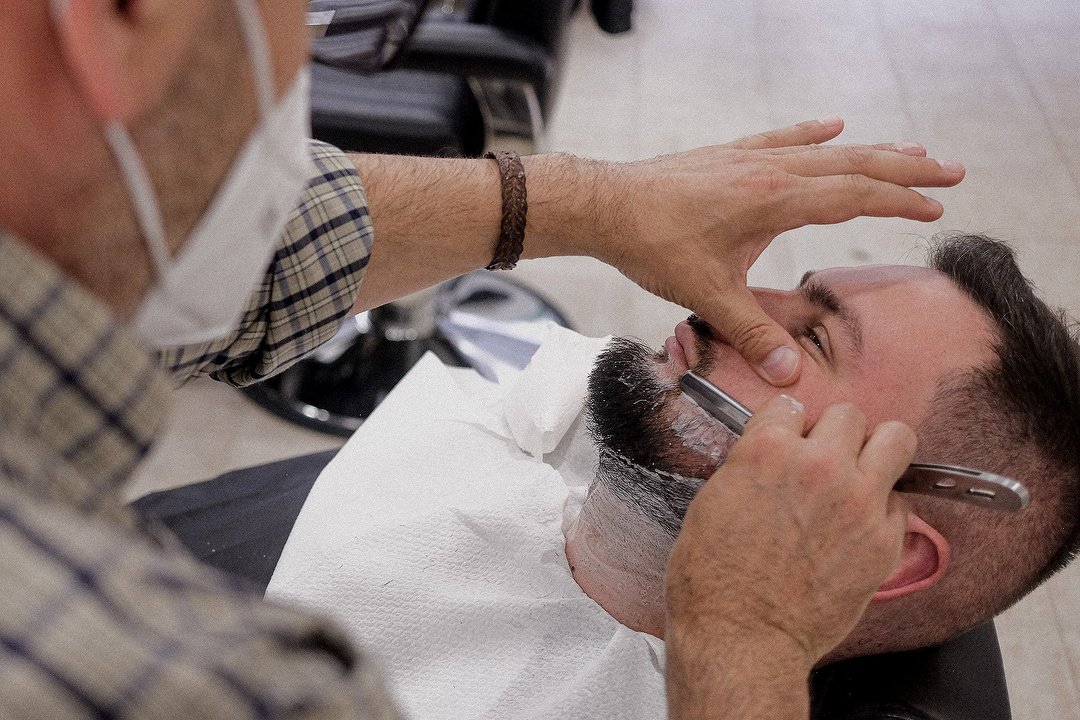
(200,294)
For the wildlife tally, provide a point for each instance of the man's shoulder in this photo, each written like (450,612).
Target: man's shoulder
(80,586)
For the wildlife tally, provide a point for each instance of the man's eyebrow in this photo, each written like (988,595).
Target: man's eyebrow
(820,295)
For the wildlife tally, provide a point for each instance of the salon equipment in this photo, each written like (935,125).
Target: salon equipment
(482,320)
(475,73)
(363,35)
(240,522)
(946,481)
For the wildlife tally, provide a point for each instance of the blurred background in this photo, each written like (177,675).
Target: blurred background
(994,84)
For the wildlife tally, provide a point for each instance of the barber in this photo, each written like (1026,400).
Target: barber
(153,153)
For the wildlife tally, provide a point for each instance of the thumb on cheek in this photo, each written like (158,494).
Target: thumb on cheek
(767,347)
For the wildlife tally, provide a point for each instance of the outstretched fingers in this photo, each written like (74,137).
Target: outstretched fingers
(914,149)
(809,132)
(874,162)
(839,198)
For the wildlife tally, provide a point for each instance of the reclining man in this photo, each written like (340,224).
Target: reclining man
(153,153)
(992,383)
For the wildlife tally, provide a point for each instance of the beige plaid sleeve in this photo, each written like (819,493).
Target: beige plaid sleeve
(97,622)
(308,289)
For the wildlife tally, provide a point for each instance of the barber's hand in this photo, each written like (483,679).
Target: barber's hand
(696,221)
(783,547)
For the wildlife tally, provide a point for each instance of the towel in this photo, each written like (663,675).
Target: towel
(436,538)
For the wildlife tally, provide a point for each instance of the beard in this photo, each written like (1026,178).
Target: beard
(656,448)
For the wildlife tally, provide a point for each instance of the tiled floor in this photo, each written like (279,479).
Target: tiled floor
(992,83)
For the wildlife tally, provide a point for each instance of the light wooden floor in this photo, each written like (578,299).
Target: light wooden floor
(992,83)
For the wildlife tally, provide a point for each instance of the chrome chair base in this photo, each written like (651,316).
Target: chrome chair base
(482,320)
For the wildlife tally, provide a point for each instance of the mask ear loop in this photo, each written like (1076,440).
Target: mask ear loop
(259,52)
(141,192)
(134,174)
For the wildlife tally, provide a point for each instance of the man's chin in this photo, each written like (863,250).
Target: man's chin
(637,412)
(700,443)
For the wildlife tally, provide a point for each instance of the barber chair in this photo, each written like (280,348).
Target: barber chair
(239,523)
(475,73)
(964,678)
(481,320)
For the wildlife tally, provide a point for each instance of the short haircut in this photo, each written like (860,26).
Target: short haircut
(1019,416)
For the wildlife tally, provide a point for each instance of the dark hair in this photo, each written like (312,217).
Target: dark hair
(1025,408)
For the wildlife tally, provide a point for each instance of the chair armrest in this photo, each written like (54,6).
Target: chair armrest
(963,679)
(238,522)
(481,51)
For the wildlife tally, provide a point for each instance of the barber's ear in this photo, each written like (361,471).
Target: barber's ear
(923,560)
(124,54)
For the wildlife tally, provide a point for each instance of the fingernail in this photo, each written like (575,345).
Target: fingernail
(936,204)
(910,148)
(951,166)
(781,363)
(832,121)
(796,406)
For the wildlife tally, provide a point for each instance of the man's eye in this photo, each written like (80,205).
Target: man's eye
(811,335)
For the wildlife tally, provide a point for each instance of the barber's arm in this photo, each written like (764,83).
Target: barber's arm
(685,226)
(777,559)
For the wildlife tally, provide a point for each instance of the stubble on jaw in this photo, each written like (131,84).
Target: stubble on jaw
(207,114)
(655,447)
(646,477)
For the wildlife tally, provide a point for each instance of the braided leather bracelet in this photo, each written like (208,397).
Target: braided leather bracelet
(514,210)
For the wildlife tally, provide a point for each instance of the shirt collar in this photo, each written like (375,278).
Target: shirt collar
(73,380)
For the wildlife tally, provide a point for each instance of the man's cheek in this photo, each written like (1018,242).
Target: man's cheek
(700,433)
(738,380)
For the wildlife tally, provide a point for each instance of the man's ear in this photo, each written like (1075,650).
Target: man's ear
(124,54)
(923,560)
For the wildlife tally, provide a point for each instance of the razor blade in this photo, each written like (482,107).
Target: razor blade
(952,482)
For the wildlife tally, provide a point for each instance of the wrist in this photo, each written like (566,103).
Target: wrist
(576,207)
(734,673)
(703,635)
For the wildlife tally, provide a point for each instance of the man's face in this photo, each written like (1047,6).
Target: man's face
(881,338)
(183,85)
(287,37)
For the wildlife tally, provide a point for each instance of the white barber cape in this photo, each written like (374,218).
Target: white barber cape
(436,538)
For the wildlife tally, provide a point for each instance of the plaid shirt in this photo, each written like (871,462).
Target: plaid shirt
(99,618)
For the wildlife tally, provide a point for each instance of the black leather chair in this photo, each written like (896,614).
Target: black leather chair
(963,678)
(475,72)
(357,104)
(405,112)
(510,53)
(239,523)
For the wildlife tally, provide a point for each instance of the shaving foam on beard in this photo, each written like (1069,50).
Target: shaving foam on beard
(698,431)
(654,474)
(658,496)
(701,433)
